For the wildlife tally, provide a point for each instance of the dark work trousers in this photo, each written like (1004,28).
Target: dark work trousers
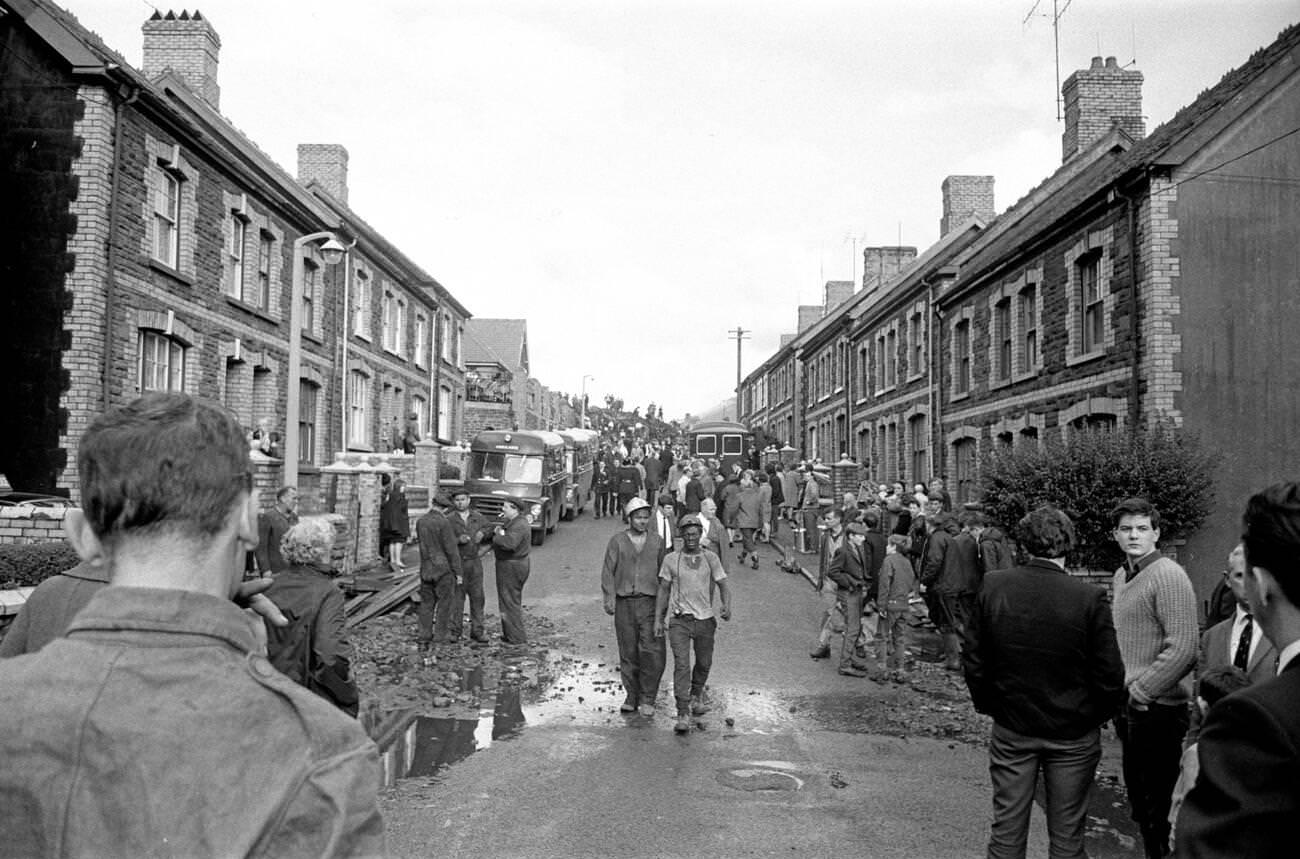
(435,601)
(1152,745)
(641,656)
(471,588)
(623,498)
(511,575)
(1068,768)
(685,632)
(956,611)
(852,600)
(604,503)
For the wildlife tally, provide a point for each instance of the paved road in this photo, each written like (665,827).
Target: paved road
(559,772)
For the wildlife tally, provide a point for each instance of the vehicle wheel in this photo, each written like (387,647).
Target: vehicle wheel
(539,536)
(569,514)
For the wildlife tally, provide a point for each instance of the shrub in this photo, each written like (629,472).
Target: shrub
(32,563)
(1090,473)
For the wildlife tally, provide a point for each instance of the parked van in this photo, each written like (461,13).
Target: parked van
(579,458)
(527,465)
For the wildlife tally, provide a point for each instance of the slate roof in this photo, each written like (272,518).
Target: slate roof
(1035,219)
(497,341)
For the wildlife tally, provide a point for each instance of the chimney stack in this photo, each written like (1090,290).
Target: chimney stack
(880,265)
(1096,98)
(964,196)
(809,314)
(188,46)
(327,165)
(837,292)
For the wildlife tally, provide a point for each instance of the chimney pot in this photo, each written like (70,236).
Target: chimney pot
(1097,63)
(189,47)
(1096,100)
(1112,63)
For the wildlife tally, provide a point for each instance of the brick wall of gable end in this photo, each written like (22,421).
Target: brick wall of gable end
(1161,342)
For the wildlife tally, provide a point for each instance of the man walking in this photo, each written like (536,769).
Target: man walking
(440,572)
(684,608)
(629,580)
(469,526)
(831,541)
(130,736)
(629,484)
(849,570)
(511,539)
(1041,658)
(1155,623)
(271,527)
(1246,801)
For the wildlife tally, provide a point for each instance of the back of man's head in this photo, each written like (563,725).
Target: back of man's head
(166,463)
(1271,534)
(1046,533)
(1217,683)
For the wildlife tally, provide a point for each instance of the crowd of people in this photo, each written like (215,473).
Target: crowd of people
(158,637)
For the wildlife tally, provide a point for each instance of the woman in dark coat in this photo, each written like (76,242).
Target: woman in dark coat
(394,521)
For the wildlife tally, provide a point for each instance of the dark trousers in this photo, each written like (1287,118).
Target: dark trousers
(1152,744)
(605,503)
(852,600)
(471,588)
(1068,768)
(956,611)
(623,498)
(511,575)
(641,656)
(685,632)
(436,600)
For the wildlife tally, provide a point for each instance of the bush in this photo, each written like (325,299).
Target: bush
(32,563)
(1089,474)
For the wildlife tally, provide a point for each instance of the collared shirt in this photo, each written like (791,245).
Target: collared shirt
(1291,651)
(1238,627)
(1132,568)
(152,729)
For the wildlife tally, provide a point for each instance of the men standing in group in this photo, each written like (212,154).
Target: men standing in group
(629,580)
(950,568)
(511,539)
(1040,657)
(1237,641)
(684,609)
(129,736)
(271,527)
(440,572)
(1246,801)
(1155,622)
(469,527)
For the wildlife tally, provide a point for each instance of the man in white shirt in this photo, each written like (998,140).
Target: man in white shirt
(664,519)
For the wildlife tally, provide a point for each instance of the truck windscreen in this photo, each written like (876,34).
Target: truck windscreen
(505,468)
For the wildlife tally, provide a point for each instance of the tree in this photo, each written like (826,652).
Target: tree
(1088,474)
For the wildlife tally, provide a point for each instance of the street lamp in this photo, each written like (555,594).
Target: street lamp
(583,421)
(331,251)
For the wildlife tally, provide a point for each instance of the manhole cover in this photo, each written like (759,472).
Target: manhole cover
(759,779)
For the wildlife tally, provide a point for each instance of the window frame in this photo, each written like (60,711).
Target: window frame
(172,366)
(167,217)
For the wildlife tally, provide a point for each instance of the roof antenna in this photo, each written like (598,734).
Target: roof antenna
(1057,11)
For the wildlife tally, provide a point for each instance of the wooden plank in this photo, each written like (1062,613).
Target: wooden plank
(386,600)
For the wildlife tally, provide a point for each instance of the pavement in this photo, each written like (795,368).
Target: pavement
(794,758)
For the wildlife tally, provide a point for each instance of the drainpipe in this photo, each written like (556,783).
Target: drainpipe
(1135,370)
(110,283)
(346,334)
(936,419)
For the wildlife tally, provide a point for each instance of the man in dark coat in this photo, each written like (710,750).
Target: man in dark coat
(849,570)
(271,527)
(440,572)
(511,540)
(1246,801)
(1041,658)
(470,528)
(950,568)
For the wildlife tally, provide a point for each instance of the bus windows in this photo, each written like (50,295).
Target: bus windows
(706,445)
(732,445)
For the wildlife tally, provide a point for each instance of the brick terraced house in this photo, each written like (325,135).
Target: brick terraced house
(149,245)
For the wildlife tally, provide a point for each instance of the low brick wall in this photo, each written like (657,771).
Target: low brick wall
(24,524)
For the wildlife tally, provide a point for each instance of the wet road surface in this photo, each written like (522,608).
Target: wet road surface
(788,760)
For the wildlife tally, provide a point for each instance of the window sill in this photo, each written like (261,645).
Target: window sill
(363,337)
(251,309)
(957,398)
(1085,358)
(998,384)
(888,389)
(358,447)
(307,335)
(915,377)
(1022,377)
(163,268)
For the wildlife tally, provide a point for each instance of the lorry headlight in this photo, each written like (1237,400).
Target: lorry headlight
(536,512)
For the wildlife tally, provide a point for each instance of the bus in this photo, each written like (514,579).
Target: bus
(579,459)
(527,465)
(724,441)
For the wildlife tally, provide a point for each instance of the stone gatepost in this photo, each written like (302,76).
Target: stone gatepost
(352,491)
(267,475)
(789,456)
(844,478)
(428,459)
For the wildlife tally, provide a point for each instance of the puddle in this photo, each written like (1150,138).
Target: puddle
(414,745)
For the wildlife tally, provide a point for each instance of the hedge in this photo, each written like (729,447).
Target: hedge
(27,564)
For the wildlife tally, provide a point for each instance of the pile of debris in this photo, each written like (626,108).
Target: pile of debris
(376,590)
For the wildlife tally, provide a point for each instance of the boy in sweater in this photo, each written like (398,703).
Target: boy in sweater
(1156,625)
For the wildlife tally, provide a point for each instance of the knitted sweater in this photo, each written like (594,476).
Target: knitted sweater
(1155,624)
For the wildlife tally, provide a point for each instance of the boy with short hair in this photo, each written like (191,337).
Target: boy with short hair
(896,583)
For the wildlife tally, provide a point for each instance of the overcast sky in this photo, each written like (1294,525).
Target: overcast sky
(637,178)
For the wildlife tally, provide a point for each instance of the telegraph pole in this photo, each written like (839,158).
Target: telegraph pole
(738,334)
